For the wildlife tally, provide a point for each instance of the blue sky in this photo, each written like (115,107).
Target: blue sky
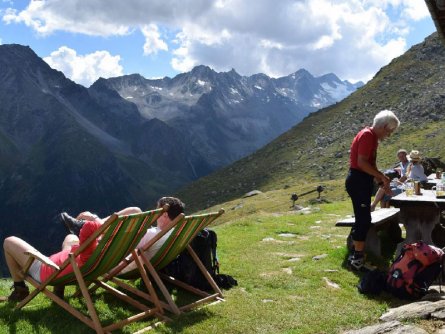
(88,39)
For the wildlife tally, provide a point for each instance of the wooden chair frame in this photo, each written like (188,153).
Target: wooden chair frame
(121,234)
(184,229)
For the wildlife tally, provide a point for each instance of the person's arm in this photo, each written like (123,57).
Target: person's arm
(408,170)
(365,166)
(422,176)
(382,180)
(87,230)
(87,215)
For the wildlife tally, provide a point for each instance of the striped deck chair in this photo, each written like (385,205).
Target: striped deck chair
(184,231)
(120,237)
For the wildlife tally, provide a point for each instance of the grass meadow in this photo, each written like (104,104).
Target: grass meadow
(289,265)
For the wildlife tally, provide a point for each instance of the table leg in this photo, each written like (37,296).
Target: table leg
(372,244)
(419,223)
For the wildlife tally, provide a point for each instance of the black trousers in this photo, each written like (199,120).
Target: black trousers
(359,186)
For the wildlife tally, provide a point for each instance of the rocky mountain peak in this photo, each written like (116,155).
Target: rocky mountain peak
(301,74)
(330,78)
(202,71)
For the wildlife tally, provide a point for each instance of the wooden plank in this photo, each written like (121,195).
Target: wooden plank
(378,217)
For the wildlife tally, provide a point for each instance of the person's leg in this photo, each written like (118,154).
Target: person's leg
(362,223)
(377,198)
(14,250)
(69,241)
(359,186)
(74,225)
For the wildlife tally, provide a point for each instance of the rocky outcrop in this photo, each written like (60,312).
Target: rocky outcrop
(432,307)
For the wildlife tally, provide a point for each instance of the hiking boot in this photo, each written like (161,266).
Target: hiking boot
(73,225)
(18,294)
(350,256)
(356,261)
(356,264)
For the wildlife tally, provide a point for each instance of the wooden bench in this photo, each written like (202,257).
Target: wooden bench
(383,219)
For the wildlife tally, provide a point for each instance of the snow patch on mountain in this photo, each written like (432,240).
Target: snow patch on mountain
(337,92)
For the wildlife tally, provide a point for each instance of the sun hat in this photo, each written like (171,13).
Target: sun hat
(415,155)
(402,150)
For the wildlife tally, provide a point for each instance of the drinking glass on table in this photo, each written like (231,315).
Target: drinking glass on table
(439,189)
(409,188)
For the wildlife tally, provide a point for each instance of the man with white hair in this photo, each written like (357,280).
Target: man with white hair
(362,173)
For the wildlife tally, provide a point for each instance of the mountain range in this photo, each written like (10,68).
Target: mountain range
(128,140)
(228,116)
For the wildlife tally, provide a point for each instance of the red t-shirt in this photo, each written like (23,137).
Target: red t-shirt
(365,143)
(87,229)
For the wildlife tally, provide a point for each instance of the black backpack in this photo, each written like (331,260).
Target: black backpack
(185,269)
(372,282)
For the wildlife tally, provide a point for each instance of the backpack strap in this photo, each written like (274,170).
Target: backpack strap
(213,245)
(442,260)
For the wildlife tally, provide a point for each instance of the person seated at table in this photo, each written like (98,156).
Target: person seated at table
(396,185)
(403,163)
(415,170)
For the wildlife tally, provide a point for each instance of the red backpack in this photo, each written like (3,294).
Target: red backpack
(412,273)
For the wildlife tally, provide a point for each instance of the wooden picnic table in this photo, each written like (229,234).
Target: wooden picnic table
(432,180)
(420,214)
(383,219)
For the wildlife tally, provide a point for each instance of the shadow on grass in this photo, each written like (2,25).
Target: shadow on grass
(383,296)
(381,263)
(37,318)
(43,316)
(186,320)
(181,297)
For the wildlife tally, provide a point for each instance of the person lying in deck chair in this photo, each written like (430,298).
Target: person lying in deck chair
(176,207)
(15,248)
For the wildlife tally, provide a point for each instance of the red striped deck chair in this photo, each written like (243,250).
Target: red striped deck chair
(183,232)
(120,237)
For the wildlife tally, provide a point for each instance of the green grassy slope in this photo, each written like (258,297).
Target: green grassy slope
(290,273)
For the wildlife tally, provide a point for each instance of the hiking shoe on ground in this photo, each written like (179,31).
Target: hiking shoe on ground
(350,256)
(356,263)
(18,294)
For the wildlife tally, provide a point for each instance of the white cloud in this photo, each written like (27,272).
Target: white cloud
(153,41)
(46,17)
(85,69)
(416,10)
(352,38)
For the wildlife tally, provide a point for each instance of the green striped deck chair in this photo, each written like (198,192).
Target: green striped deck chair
(179,239)
(120,236)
